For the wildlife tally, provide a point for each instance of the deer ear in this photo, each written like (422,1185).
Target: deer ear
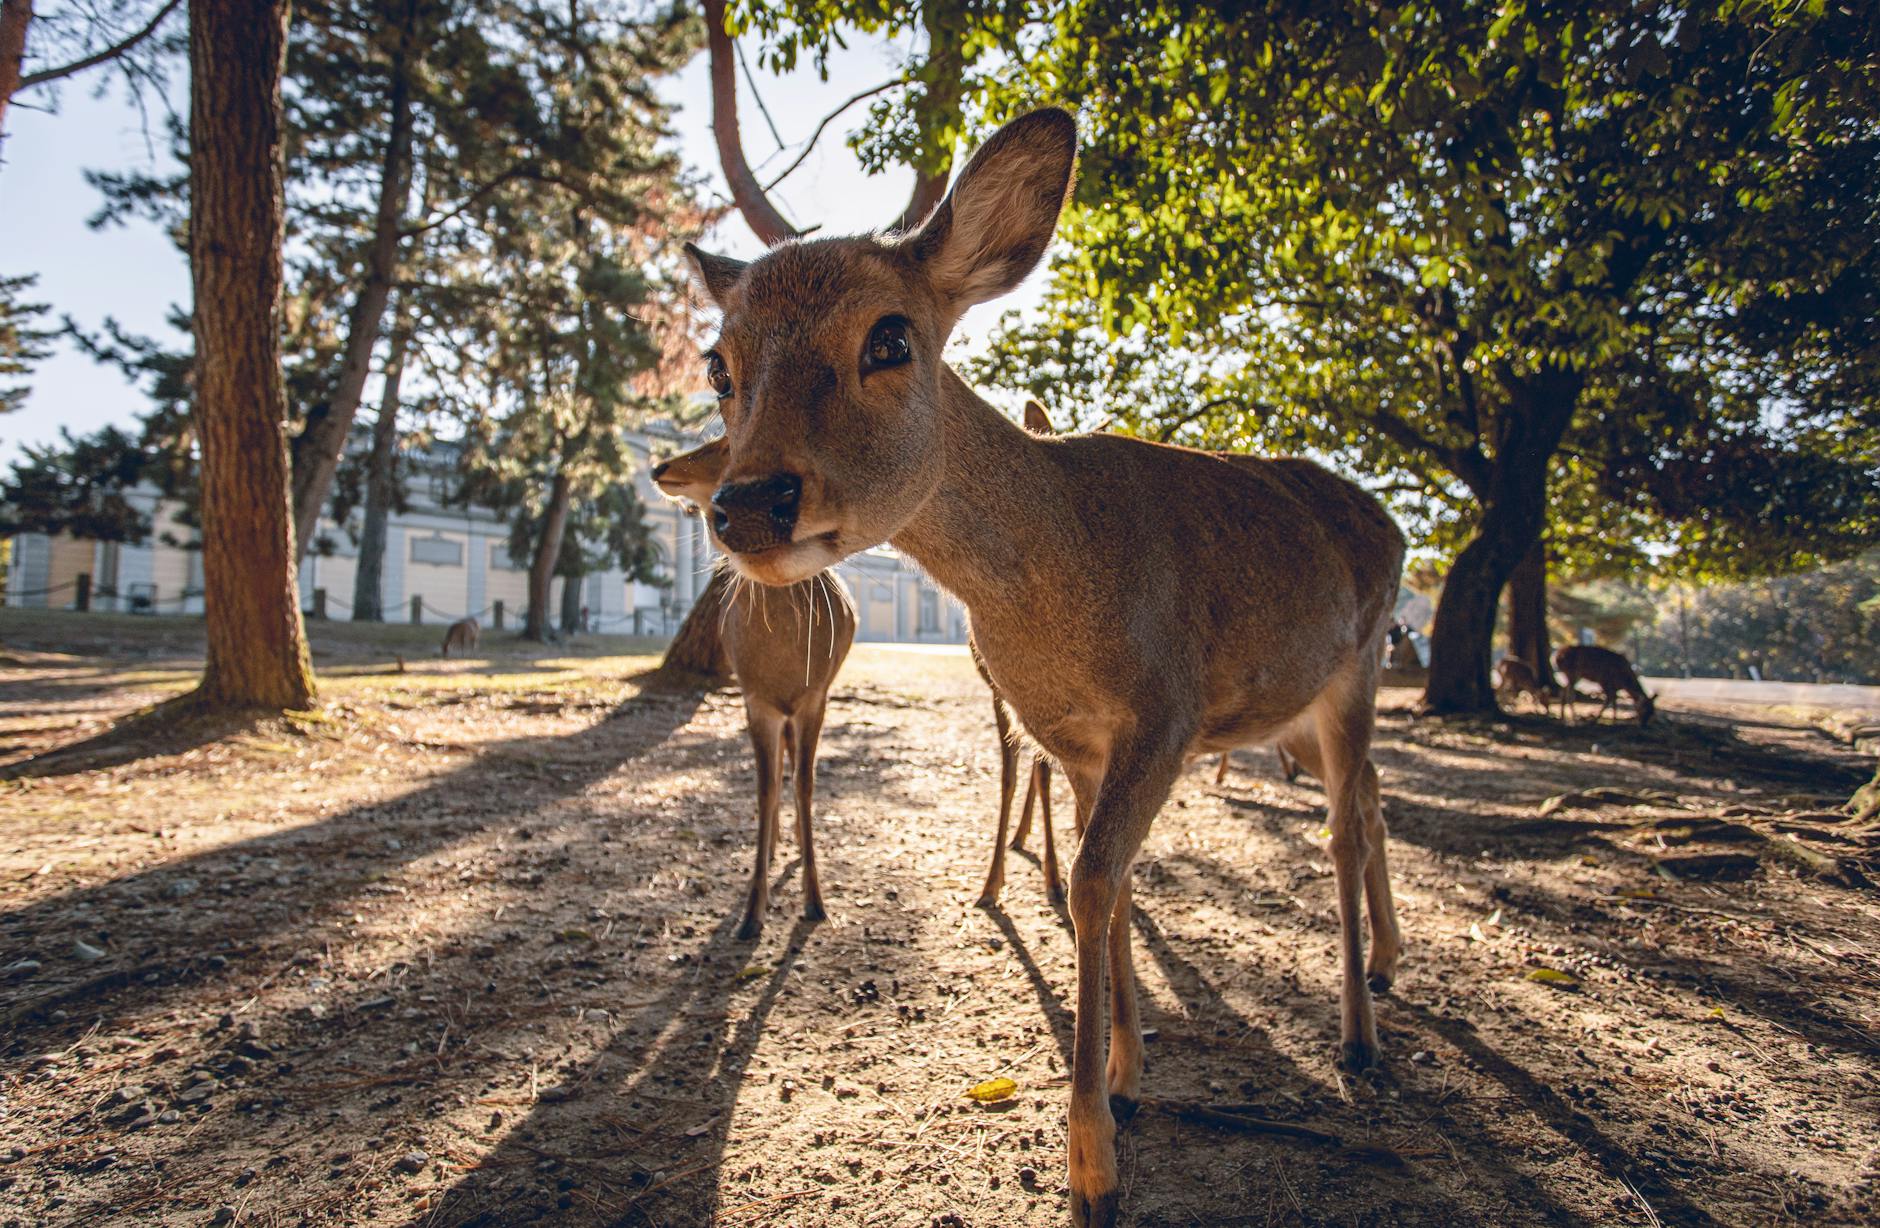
(992,229)
(717,274)
(1036,420)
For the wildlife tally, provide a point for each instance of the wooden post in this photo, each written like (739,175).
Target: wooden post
(496,615)
(417,610)
(319,603)
(81,596)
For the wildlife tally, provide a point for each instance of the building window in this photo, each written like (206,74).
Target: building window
(929,611)
(500,560)
(437,550)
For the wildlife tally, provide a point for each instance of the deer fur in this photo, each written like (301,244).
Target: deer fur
(1135,603)
(786,646)
(1613,674)
(1515,677)
(461,635)
(1038,785)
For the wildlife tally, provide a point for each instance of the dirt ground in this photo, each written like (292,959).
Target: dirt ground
(458,950)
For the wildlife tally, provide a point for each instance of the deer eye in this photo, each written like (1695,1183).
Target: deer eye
(718,374)
(887,345)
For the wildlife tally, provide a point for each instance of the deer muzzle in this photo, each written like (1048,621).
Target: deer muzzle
(754,515)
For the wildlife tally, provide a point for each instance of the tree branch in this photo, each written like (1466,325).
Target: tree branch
(45,76)
(828,119)
(746,193)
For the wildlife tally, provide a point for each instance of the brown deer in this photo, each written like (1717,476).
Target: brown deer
(1288,766)
(1135,603)
(1038,787)
(1515,678)
(786,645)
(462,636)
(1611,671)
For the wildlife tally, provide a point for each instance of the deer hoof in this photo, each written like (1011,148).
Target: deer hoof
(1357,1056)
(1094,1210)
(1123,1108)
(751,927)
(1379,983)
(813,911)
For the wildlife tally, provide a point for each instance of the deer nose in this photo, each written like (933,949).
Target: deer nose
(758,513)
(659,470)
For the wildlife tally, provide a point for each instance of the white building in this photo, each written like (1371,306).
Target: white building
(444,561)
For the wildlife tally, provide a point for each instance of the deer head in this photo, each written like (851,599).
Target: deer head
(692,476)
(828,363)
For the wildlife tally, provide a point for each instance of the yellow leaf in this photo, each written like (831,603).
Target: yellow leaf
(753,971)
(1476,934)
(992,1090)
(1551,976)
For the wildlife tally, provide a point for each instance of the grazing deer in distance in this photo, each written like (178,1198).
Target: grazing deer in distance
(462,636)
(1038,787)
(786,645)
(1135,603)
(1611,671)
(1515,677)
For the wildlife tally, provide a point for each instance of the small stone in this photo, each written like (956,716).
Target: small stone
(412,1162)
(126,1094)
(377,1002)
(21,968)
(169,1117)
(85,952)
(1423,1057)
(224,1214)
(199,1093)
(181,887)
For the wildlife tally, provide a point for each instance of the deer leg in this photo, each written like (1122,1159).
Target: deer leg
(807,726)
(1041,783)
(1386,938)
(1024,817)
(1133,788)
(1220,773)
(1008,783)
(766,737)
(1288,764)
(1344,728)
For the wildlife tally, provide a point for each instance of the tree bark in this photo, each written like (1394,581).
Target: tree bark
(16,17)
(697,649)
(257,649)
(547,553)
(571,598)
(1865,805)
(1527,614)
(1514,513)
(317,449)
(368,596)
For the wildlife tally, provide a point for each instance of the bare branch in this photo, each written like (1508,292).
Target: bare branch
(109,53)
(828,119)
(746,193)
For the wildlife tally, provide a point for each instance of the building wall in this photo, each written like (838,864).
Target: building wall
(889,591)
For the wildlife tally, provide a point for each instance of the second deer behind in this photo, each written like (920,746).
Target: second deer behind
(786,646)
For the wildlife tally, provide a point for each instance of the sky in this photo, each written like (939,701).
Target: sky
(133,273)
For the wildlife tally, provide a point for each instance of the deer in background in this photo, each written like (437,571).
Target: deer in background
(1515,677)
(1611,671)
(786,645)
(462,636)
(1135,603)
(1038,788)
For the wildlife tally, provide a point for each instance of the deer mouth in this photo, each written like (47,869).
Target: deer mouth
(783,563)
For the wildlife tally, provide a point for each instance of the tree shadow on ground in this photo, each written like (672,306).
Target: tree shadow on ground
(372,840)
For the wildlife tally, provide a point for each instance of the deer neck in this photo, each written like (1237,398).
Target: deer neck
(980,531)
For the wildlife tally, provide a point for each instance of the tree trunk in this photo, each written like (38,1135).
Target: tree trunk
(1527,614)
(1514,513)
(317,449)
(1865,806)
(16,17)
(697,649)
(547,553)
(571,597)
(257,649)
(368,598)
